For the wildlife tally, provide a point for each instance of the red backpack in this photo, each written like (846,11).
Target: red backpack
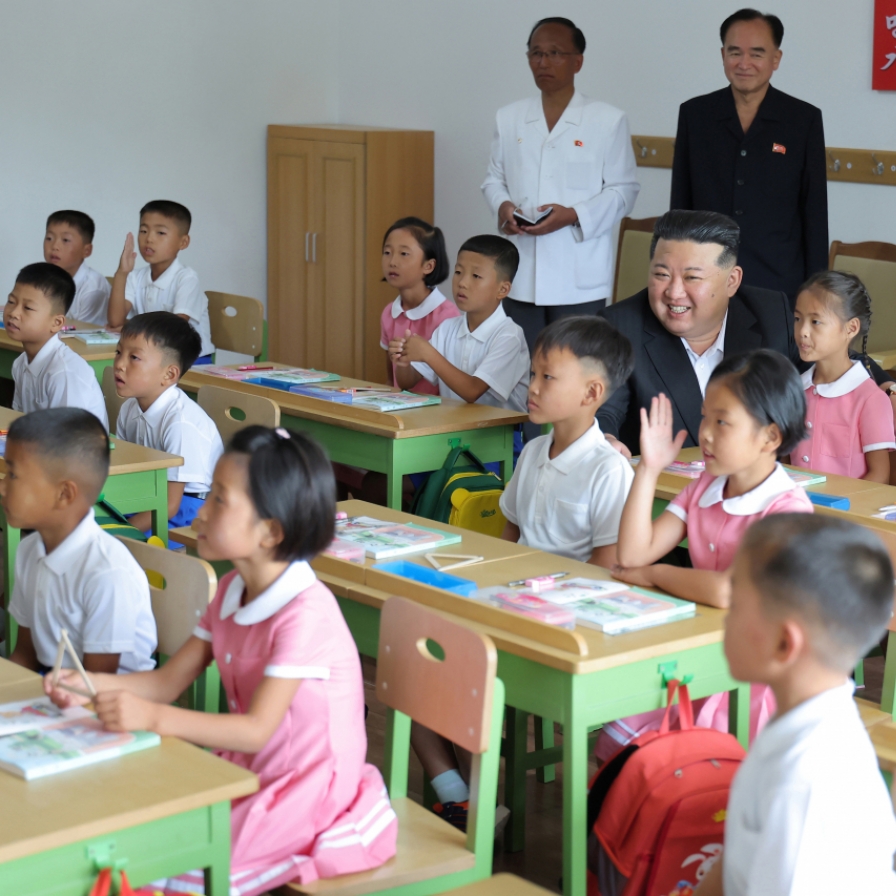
(656,810)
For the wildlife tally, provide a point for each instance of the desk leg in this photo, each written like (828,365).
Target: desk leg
(393,489)
(739,714)
(160,511)
(544,738)
(515,777)
(217,874)
(11,539)
(575,790)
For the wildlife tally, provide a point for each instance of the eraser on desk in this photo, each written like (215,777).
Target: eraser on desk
(835,502)
(341,515)
(345,550)
(541,583)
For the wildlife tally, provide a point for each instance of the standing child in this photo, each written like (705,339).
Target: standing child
(414,262)
(754,412)
(290,670)
(808,811)
(850,420)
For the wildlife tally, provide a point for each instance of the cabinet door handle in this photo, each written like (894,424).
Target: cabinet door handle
(314,247)
(306,245)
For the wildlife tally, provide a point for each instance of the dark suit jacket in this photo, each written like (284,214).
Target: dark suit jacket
(779,199)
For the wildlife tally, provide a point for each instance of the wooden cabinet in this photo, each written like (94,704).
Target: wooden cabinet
(332,192)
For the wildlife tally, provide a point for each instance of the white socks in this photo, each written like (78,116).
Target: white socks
(450,787)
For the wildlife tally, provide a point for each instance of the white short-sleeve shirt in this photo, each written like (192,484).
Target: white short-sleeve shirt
(57,378)
(808,811)
(176,424)
(495,352)
(91,586)
(571,504)
(91,302)
(177,291)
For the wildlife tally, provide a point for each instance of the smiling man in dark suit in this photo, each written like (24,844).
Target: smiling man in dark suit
(756,154)
(694,311)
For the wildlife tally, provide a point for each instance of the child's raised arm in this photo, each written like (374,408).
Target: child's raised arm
(643,541)
(118,305)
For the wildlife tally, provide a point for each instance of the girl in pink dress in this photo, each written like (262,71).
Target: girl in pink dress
(290,670)
(850,420)
(754,412)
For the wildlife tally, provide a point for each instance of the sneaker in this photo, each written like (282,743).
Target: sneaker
(453,813)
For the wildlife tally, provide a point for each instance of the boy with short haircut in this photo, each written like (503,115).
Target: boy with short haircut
(155,350)
(70,574)
(480,357)
(68,243)
(808,810)
(569,487)
(48,374)
(166,284)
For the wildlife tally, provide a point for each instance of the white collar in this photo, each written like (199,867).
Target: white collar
(568,460)
(754,501)
(81,273)
(571,114)
(45,355)
(154,413)
(849,382)
(717,346)
(296,578)
(62,559)
(427,306)
(164,281)
(484,331)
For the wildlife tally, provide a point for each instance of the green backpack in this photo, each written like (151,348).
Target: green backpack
(462,494)
(113,521)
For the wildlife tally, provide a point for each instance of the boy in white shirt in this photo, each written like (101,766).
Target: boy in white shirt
(155,350)
(808,811)
(480,357)
(569,487)
(166,284)
(48,374)
(70,574)
(68,243)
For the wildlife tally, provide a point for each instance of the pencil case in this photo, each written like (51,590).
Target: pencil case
(835,502)
(426,576)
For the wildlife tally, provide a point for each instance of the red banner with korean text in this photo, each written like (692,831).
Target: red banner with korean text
(884,65)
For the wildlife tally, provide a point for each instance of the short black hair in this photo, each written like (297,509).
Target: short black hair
(681,225)
(578,39)
(501,251)
(769,387)
(431,240)
(290,480)
(170,333)
(81,222)
(71,435)
(56,284)
(178,213)
(776,26)
(833,573)
(591,338)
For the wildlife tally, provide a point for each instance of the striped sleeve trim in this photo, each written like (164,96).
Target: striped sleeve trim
(678,510)
(321,673)
(203,634)
(880,446)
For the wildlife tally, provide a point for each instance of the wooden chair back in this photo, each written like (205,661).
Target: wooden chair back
(180,586)
(236,322)
(110,279)
(632,256)
(874,263)
(233,411)
(111,397)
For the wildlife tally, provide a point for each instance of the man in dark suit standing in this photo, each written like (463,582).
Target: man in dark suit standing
(756,154)
(694,312)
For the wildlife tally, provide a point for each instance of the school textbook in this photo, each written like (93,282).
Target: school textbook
(96,337)
(394,401)
(39,739)
(382,540)
(293,376)
(693,469)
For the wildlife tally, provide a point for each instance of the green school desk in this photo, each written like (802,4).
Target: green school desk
(99,357)
(580,679)
(414,441)
(159,813)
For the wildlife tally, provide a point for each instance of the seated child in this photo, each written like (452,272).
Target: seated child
(69,243)
(808,810)
(480,356)
(166,284)
(850,420)
(155,350)
(294,691)
(48,374)
(569,487)
(414,262)
(754,412)
(70,574)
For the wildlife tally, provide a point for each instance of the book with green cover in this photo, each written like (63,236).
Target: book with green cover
(27,715)
(631,610)
(395,401)
(381,539)
(805,477)
(99,338)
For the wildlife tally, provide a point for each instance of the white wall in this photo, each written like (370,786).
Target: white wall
(447,65)
(107,104)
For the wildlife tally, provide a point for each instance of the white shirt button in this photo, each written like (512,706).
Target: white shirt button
(805,459)
(808,425)
(233,704)
(227,658)
(712,548)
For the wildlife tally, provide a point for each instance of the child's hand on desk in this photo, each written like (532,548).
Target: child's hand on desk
(658,448)
(634,575)
(124,711)
(128,255)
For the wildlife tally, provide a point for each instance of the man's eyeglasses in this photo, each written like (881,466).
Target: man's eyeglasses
(555,57)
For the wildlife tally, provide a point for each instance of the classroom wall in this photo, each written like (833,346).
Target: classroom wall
(106,104)
(449,65)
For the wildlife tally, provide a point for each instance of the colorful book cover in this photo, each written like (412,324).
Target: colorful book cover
(293,376)
(26,715)
(630,610)
(229,373)
(340,396)
(690,469)
(394,401)
(532,605)
(99,338)
(805,477)
(570,591)
(391,539)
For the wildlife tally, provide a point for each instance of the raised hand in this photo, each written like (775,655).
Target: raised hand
(658,448)
(128,255)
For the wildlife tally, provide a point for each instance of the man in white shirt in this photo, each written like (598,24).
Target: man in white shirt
(574,155)
(808,811)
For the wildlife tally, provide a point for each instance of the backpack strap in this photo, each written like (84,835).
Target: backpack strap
(685,709)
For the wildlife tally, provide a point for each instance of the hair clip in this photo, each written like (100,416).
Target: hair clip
(282,433)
